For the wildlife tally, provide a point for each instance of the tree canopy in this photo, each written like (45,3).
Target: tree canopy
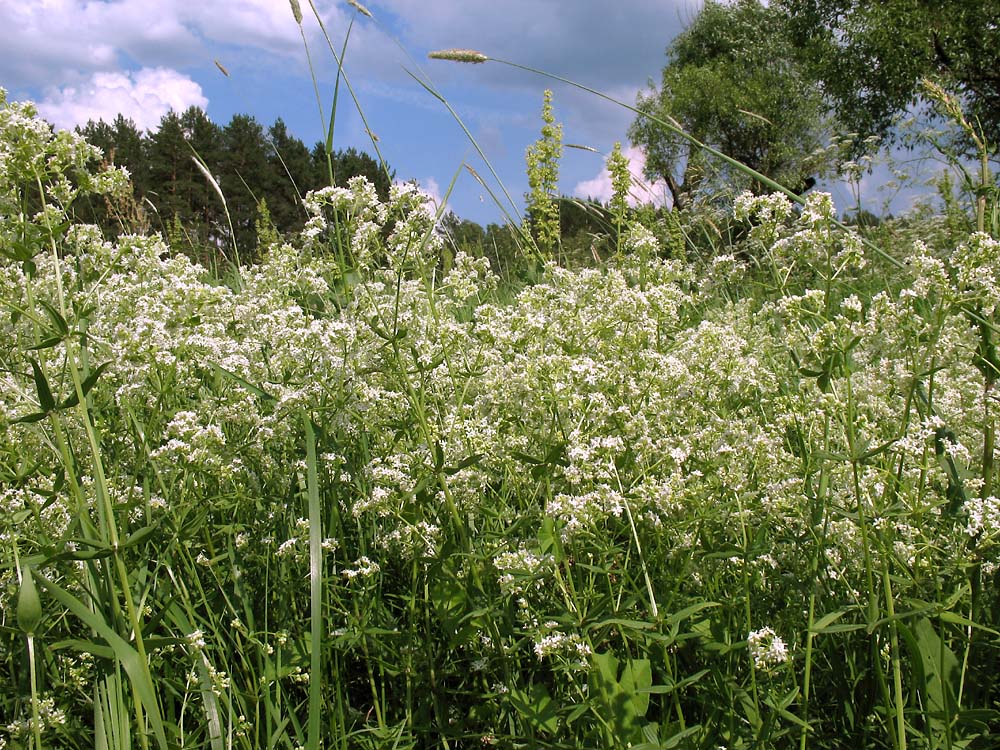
(870,57)
(733,81)
(248,162)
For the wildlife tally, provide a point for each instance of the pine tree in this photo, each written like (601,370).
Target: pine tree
(244,177)
(290,177)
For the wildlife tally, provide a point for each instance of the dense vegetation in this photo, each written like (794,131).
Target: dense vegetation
(723,477)
(171,194)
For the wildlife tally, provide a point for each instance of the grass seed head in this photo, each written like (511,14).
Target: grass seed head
(459,55)
(359,8)
(296,11)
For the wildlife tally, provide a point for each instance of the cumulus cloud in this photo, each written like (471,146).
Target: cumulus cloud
(144,96)
(66,41)
(69,40)
(429,188)
(643,191)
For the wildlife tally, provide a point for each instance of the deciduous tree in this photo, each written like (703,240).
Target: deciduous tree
(872,56)
(732,80)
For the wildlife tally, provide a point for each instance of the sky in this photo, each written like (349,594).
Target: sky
(81,60)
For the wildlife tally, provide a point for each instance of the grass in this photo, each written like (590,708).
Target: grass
(348,498)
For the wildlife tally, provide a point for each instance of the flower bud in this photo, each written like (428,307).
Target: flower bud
(29,605)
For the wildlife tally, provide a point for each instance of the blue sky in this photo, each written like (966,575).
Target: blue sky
(91,59)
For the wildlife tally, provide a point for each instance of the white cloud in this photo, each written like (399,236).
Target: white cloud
(65,41)
(599,187)
(430,188)
(60,42)
(144,96)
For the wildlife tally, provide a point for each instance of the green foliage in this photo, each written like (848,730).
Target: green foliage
(352,163)
(621,702)
(872,57)
(542,158)
(621,185)
(243,177)
(512,513)
(291,174)
(170,194)
(733,82)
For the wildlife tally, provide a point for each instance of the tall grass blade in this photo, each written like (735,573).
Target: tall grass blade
(461,123)
(350,88)
(315,587)
(136,669)
(333,105)
(203,168)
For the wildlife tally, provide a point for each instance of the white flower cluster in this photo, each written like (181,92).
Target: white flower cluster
(522,570)
(555,643)
(537,420)
(49,717)
(767,648)
(363,568)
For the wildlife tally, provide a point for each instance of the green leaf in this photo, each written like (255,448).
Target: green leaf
(941,667)
(37,416)
(536,707)
(46,344)
(29,605)
(58,321)
(637,678)
(139,536)
(781,707)
(694,609)
(87,386)
(965,622)
(675,686)
(87,647)
(45,399)
(621,703)
(463,464)
(620,623)
(246,384)
(820,625)
(676,739)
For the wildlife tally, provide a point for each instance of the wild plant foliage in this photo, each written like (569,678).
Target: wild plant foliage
(347,496)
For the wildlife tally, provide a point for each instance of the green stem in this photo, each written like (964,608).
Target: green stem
(897,670)
(315,587)
(36,720)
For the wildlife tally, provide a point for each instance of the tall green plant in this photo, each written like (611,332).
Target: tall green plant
(621,185)
(542,158)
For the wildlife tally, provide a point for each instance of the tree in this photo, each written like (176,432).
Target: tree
(351,163)
(502,245)
(872,56)
(463,235)
(732,81)
(291,175)
(244,177)
(205,142)
(123,146)
(173,177)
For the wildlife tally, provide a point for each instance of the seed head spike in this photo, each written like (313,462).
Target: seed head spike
(459,55)
(359,8)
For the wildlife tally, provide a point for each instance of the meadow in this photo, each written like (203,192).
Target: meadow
(368,492)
